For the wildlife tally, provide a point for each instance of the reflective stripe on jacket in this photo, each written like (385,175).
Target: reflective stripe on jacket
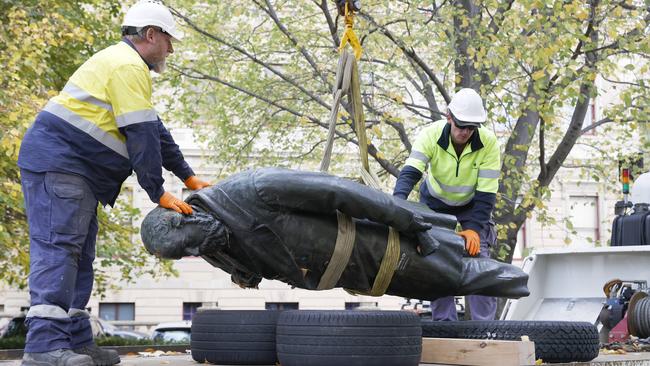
(452,179)
(102,125)
(110,90)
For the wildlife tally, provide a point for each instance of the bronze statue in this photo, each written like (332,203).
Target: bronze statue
(283,224)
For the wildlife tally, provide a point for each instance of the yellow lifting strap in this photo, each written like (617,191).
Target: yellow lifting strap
(349,36)
(342,252)
(386,268)
(347,82)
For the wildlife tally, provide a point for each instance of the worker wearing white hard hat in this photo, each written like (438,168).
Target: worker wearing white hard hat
(151,13)
(150,27)
(462,164)
(82,146)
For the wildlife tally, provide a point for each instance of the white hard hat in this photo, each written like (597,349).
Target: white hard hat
(467,106)
(151,13)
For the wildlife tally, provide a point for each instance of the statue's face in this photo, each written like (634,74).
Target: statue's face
(168,234)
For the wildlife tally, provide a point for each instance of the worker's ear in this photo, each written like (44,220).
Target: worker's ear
(149,34)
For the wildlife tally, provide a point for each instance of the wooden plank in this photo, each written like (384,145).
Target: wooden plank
(476,352)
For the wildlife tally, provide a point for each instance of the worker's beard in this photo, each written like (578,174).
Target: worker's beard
(160,67)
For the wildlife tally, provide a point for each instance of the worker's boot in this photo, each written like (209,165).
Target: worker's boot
(100,357)
(60,357)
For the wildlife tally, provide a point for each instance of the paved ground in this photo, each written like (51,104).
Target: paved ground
(138,361)
(630,359)
(162,360)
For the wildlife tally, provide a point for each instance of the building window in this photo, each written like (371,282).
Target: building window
(281,306)
(585,219)
(352,305)
(117,311)
(522,240)
(363,304)
(519,251)
(590,118)
(189,309)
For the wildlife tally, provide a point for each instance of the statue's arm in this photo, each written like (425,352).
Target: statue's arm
(322,193)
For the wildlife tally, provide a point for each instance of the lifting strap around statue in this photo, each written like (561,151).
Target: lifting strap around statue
(388,265)
(342,251)
(347,82)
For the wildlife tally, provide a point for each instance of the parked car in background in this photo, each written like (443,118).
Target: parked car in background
(419,307)
(423,308)
(12,325)
(111,330)
(175,332)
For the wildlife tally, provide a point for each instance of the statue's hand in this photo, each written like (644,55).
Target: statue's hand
(418,223)
(427,242)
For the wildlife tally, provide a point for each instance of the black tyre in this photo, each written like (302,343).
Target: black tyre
(234,337)
(351,338)
(555,342)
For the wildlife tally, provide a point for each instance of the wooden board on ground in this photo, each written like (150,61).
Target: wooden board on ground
(477,352)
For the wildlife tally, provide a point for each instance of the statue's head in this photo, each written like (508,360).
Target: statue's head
(168,234)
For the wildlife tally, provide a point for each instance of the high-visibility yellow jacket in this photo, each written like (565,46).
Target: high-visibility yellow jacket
(103,125)
(454,183)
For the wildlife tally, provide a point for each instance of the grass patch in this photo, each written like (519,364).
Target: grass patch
(117,341)
(12,343)
(19,342)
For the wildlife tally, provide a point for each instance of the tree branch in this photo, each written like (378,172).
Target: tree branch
(542,162)
(332,24)
(595,125)
(517,147)
(494,25)
(271,12)
(426,89)
(255,60)
(372,150)
(571,136)
(410,53)
(195,74)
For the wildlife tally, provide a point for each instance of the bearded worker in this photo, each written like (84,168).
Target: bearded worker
(82,146)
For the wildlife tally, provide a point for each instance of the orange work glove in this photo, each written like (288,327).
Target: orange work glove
(472,241)
(167,200)
(194,183)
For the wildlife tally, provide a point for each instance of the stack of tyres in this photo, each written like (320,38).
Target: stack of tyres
(306,337)
(234,337)
(631,229)
(349,338)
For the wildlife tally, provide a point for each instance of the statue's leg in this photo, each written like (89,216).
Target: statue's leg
(484,307)
(485,276)
(445,272)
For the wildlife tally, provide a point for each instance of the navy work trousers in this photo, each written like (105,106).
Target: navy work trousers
(62,215)
(481,307)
